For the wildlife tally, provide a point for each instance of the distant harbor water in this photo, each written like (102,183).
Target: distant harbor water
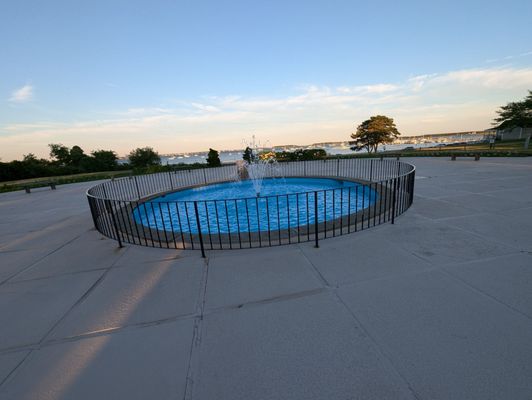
(232,156)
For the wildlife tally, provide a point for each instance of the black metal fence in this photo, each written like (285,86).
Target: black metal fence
(121,210)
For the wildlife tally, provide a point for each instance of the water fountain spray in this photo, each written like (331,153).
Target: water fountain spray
(259,165)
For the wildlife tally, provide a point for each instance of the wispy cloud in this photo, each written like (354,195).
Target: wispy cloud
(369,89)
(510,57)
(22,95)
(456,100)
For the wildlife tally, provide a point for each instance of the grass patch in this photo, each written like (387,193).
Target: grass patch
(511,148)
(11,186)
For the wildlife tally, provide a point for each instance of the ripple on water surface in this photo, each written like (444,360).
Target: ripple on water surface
(233,206)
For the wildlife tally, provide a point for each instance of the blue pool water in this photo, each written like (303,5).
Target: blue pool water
(233,207)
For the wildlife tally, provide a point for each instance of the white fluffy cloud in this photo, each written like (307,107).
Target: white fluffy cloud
(453,101)
(22,95)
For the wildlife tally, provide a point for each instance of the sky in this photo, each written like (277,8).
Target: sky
(184,76)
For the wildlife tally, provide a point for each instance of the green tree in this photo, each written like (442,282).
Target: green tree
(515,114)
(301,155)
(248,155)
(76,156)
(105,159)
(143,157)
(59,153)
(31,166)
(379,129)
(29,158)
(213,158)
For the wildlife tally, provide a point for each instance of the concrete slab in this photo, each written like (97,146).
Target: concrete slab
(479,186)
(137,294)
(91,251)
(427,188)
(9,361)
(439,209)
(525,213)
(15,261)
(506,278)
(439,243)
(485,202)
(304,348)
(136,255)
(144,363)
(511,230)
(50,237)
(521,194)
(28,310)
(243,276)
(440,304)
(448,341)
(354,258)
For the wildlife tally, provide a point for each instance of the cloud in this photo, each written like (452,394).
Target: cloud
(22,95)
(369,89)
(510,57)
(440,102)
(495,78)
(206,108)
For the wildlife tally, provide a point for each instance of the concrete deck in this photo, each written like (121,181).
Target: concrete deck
(437,306)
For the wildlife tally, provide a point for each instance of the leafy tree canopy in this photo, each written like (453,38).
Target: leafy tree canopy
(377,130)
(65,161)
(59,153)
(515,114)
(248,155)
(29,158)
(105,159)
(143,157)
(301,155)
(213,158)
(76,156)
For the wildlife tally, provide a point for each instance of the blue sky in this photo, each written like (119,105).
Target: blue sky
(186,75)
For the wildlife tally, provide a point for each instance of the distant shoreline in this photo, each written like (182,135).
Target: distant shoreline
(332,148)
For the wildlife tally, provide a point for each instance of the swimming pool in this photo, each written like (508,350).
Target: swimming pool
(233,207)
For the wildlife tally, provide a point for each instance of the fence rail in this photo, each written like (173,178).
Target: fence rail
(121,208)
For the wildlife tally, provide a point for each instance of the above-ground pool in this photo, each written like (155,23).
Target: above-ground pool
(233,207)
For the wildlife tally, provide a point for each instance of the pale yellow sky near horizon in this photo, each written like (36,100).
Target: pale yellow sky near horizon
(462,100)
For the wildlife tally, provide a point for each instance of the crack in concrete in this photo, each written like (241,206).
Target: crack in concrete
(96,333)
(269,300)
(194,354)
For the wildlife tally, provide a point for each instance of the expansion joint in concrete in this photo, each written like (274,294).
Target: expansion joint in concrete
(195,346)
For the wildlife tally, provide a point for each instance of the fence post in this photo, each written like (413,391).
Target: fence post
(204,176)
(137,185)
(170,178)
(413,179)
(93,211)
(199,229)
(110,209)
(370,169)
(393,199)
(316,219)
(338,166)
